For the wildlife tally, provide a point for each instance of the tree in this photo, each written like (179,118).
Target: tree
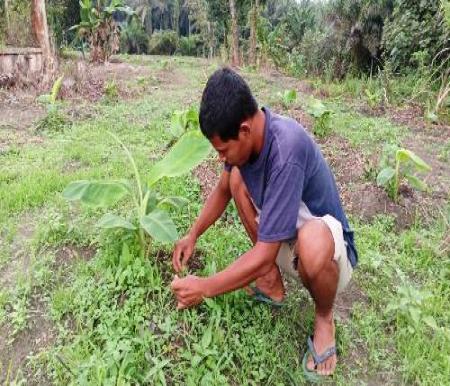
(40,33)
(234,35)
(254,15)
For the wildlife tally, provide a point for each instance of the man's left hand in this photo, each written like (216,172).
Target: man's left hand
(189,291)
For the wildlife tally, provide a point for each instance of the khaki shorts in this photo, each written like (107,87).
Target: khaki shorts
(286,255)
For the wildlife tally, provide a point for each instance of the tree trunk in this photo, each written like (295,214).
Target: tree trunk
(176,16)
(234,35)
(7,16)
(41,35)
(253,30)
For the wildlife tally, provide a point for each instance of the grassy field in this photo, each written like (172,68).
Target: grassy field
(76,309)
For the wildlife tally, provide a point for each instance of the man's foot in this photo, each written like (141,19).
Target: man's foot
(270,284)
(324,338)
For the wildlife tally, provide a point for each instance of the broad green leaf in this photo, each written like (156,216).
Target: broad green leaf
(416,183)
(385,176)
(419,162)
(191,149)
(75,190)
(110,220)
(152,201)
(177,126)
(404,155)
(104,193)
(206,338)
(96,193)
(175,201)
(316,108)
(159,225)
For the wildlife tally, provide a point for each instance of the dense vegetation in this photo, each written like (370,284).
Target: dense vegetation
(92,192)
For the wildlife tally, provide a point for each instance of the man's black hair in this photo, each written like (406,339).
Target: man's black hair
(226,102)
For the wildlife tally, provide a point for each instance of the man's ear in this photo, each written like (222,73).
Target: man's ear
(245,127)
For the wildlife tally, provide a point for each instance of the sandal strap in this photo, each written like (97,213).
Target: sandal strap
(318,359)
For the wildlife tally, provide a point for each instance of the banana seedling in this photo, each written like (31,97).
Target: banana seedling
(150,220)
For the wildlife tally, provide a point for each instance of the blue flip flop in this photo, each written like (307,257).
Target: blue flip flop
(311,375)
(260,296)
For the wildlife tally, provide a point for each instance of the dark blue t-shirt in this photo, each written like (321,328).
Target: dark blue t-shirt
(290,170)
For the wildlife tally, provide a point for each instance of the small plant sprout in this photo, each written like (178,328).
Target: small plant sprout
(183,121)
(54,121)
(401,164)
(322,117)
(288,97)
(50,99)
(150,220)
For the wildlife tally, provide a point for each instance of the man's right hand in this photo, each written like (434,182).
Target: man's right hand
(183,251)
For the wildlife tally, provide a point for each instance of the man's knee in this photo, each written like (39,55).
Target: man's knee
(314,247)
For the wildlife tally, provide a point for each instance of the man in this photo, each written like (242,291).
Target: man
(288,202)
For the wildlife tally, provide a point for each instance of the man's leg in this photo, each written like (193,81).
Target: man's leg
(271,284)
(319,273)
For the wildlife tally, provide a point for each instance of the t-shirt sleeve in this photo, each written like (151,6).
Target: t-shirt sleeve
(281,203)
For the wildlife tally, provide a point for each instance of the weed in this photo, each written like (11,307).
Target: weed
(111,92)
(287,97)
(53,122)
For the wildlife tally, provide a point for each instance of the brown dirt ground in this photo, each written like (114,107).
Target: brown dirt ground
(39,333)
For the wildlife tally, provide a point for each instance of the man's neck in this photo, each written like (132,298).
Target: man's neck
(259,122)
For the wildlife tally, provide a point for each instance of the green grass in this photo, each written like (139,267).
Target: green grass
(117,323)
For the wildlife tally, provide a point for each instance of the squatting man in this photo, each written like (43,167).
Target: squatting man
(288,202)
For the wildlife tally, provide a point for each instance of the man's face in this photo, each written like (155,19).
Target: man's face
(235,152)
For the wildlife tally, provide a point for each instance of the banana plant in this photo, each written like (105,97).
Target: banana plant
(150,221)
(322,117)
(407,164)
(183,121)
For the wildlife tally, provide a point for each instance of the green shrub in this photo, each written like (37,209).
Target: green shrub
(163,43)
(415,26)
(192,45)
(133,38)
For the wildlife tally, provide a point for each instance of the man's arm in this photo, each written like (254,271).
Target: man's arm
(211,211)
(255,263)
(214,206)
(258,261)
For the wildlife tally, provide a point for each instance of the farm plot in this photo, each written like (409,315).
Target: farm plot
(81,304)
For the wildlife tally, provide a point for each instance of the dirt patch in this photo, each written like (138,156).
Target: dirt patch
(69,253)
(20,116)
(164,261)
(302,117)
(19,263)
(346,299)
(347,163)
(207,174)
(367,200)
(15,350)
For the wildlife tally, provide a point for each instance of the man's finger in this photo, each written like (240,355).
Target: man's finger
(176,259)
(176,283)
